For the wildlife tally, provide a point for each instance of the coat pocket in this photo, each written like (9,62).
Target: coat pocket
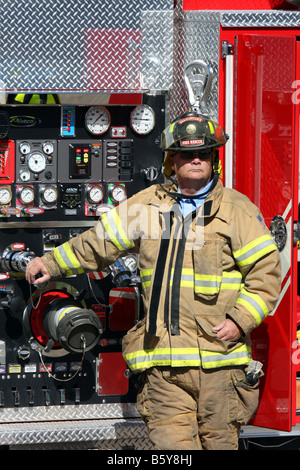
(208,269)
(243,400)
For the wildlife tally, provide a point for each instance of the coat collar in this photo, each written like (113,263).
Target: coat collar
(210,207)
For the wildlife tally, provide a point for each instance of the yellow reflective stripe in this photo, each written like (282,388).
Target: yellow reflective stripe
(115,230)
(254,304)
(240,355)
(146,277)
(254,250)
(187,278)
(206,284)
(67,260)
(176,357)
(231,281)
(211,127)
(181,357)
(201,282)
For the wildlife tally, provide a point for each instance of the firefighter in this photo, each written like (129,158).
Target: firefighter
(210,274)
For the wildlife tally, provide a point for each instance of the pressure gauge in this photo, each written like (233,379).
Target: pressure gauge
(36,162)
(48,148)
(97,120)
(24,175)
(118,193)
(142,119)
(49,195)
(131,262)
(26,195)
(95,194)
(5,195)
(24,148)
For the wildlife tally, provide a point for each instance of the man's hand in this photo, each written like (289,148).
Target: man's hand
(36,266)
(227,330)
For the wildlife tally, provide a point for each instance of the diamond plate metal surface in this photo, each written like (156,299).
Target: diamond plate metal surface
(196,37)
(260,19)
(96,431)
(70,412)
(66,45)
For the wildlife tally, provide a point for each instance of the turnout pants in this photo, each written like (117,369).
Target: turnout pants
(192,409)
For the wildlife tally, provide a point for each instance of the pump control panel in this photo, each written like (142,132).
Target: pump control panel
(61,167)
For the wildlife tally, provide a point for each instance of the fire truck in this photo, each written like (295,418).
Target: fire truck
(86,89)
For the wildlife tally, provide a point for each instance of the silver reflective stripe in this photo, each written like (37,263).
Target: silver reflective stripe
(146,280)
(124,243)
(212,284)
(253,305)
(163,356)
(240,356)
(231,280)
(65,262)
(254,250)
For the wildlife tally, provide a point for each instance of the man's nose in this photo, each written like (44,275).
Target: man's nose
(196,159)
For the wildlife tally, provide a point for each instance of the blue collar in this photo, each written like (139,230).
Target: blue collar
(189,205)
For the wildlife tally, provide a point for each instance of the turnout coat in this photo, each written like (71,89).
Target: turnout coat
(218,262)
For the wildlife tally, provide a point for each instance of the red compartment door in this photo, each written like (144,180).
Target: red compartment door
(265,161)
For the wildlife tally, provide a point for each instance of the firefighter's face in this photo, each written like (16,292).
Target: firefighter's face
(194,166)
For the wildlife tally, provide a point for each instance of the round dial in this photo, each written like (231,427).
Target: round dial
(5,195)
(142,119)
(48,148)
(131,262)
(26,195)
(24,175)
(49,195)
(36,162)
(95,194)
(97,120)
(118,193)
(24,148)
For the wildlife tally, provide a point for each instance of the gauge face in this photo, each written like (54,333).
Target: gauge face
(26,195)
(24,148)
(142,119)
(118,193)
(97,120)
(49,195)
(131,262)
(24,175)
(95,194)
(48,148)
(5,195)
(36,162)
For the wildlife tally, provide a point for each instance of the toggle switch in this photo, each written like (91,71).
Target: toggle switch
(46,396)
(77,395)
(16,394)
(30,392)
(62,392)
(1,398)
